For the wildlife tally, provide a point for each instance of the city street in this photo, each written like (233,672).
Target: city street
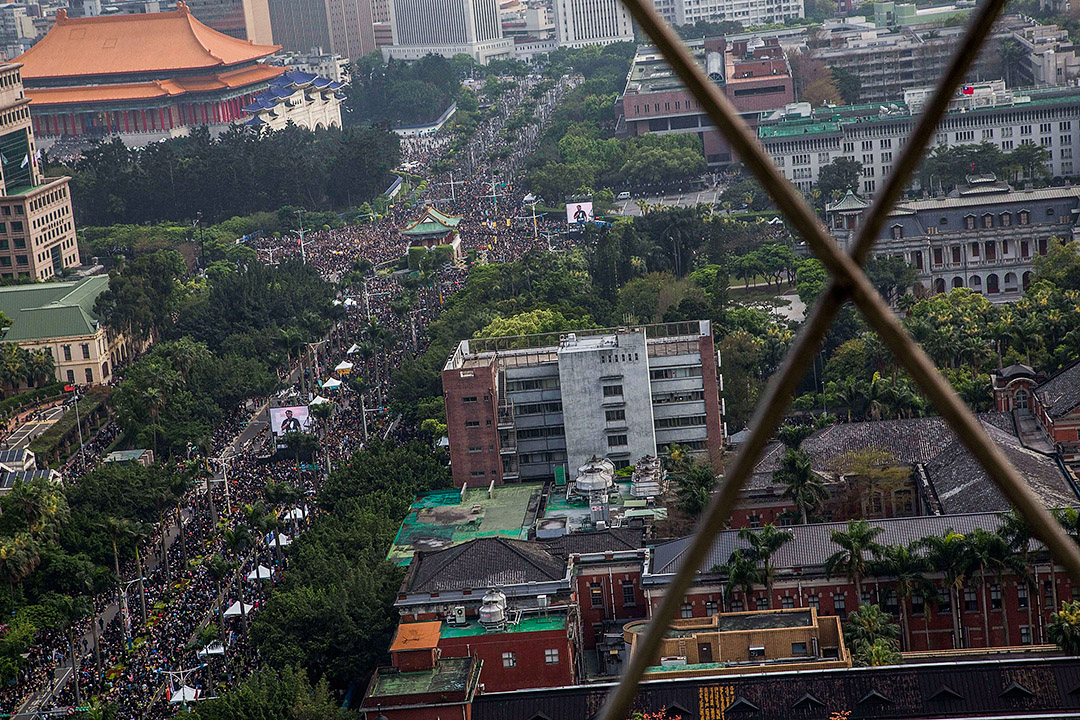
(630,207)
(30,429)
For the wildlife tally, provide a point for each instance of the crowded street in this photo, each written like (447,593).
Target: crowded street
(181,623)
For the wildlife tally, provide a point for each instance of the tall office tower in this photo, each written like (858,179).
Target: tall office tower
(344,27)
(243,19)
(37,231)
(447,27)
(592,22)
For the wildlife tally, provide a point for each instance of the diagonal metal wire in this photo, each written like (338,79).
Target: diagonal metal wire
(848,281)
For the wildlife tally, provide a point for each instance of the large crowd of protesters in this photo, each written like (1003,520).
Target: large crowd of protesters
(145,660)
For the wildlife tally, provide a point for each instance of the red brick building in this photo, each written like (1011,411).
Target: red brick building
(755,80)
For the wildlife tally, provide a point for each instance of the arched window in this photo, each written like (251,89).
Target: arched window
(992,284)
(958,282)
(1026,280)
(1022,399)
(939,285)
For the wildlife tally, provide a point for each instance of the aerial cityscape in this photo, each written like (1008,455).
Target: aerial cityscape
(430,359)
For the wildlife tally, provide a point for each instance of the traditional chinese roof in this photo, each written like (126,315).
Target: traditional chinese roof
(167,88)
(851,201)
(164,42)
(433,222)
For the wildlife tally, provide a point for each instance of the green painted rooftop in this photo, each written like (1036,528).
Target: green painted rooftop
(830,120)
(444,518)
(527,625)
(451,675)
(52,310)
(432,222)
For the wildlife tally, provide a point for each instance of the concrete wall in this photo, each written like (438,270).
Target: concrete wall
(585,370)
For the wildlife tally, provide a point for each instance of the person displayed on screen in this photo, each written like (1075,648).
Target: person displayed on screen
(580,216)
(290,424)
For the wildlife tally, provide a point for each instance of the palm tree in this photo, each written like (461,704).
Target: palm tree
(867,625)
(218,570)
(1064,627)
(20,555)
(763,545)
(237,541)
(802,485)
(71,610)
(856,545)
(948,555)
(991,552)
(1018,535)
(742,573)
(96,581)
(907,568)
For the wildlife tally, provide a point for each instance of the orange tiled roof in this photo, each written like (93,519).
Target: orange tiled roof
(417,636)
(149,90)
(118,44)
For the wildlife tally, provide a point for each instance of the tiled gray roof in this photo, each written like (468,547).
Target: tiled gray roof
(1060,394)
(962,485)
(813,543)
(480,564)
(627,538)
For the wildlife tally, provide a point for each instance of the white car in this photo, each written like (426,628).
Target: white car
(624,195)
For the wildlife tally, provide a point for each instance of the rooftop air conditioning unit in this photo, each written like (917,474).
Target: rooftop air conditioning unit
(459,615)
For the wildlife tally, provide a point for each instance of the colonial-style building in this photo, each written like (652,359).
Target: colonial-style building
(1049,408)
(984,235)
(153,76)
(59,317)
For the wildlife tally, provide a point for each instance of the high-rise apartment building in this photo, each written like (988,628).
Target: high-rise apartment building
(243,19)
(342,27)
(531,408)
(448,28)
(37,231)
(592,22)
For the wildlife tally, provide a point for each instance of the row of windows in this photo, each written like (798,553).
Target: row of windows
(671,373)
(49,198)
(551,657)
(537,408)
(678,396)
(618,357)
(677,422)
(596,594)
(532,384)
(541,432)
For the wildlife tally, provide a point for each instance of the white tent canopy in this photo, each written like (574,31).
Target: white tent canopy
(260,573)
(343,366)
(296,514)
(234,609)
(285,540)
(353,350)
(319,400)
(331,384)
(212,649)
(185,694)
(349,302)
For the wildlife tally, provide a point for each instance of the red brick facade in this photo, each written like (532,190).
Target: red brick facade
(470,420)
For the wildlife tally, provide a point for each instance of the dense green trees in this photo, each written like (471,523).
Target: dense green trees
(403,93)
(282,694)
(333,613)
(946,167)
(238,173)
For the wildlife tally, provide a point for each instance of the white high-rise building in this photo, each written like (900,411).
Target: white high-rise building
(747,12)
(592,22)
(447,27)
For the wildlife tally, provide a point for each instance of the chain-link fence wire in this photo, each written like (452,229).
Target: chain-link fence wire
(848,282)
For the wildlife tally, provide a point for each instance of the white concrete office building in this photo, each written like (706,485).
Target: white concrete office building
(448,28)
(592,22)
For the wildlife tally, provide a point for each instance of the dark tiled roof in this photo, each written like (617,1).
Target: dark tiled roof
(1017,370)
(961,485)
(480,564)
(813,543)
(591,542)
(911,441)
(1060,394)
(887,693)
